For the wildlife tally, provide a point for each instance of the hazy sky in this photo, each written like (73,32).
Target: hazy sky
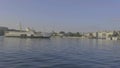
(61,15)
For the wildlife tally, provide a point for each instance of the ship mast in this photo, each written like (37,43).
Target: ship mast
(20,26)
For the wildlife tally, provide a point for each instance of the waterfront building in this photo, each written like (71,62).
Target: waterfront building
(104,35)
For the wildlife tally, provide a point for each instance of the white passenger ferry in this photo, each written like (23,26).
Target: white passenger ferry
(28,33)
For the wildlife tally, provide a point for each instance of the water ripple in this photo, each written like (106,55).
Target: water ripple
(59,53)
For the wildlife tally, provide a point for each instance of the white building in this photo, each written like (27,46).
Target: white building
(104,35)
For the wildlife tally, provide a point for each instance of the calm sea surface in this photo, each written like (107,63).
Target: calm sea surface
(59,53)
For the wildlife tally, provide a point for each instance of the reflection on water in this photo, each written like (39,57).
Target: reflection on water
(59,53)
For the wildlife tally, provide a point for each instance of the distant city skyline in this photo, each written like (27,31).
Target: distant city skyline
(61,15)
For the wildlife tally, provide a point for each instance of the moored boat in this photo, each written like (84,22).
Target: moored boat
(28,33)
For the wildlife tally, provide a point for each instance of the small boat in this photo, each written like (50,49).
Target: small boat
(28,33)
